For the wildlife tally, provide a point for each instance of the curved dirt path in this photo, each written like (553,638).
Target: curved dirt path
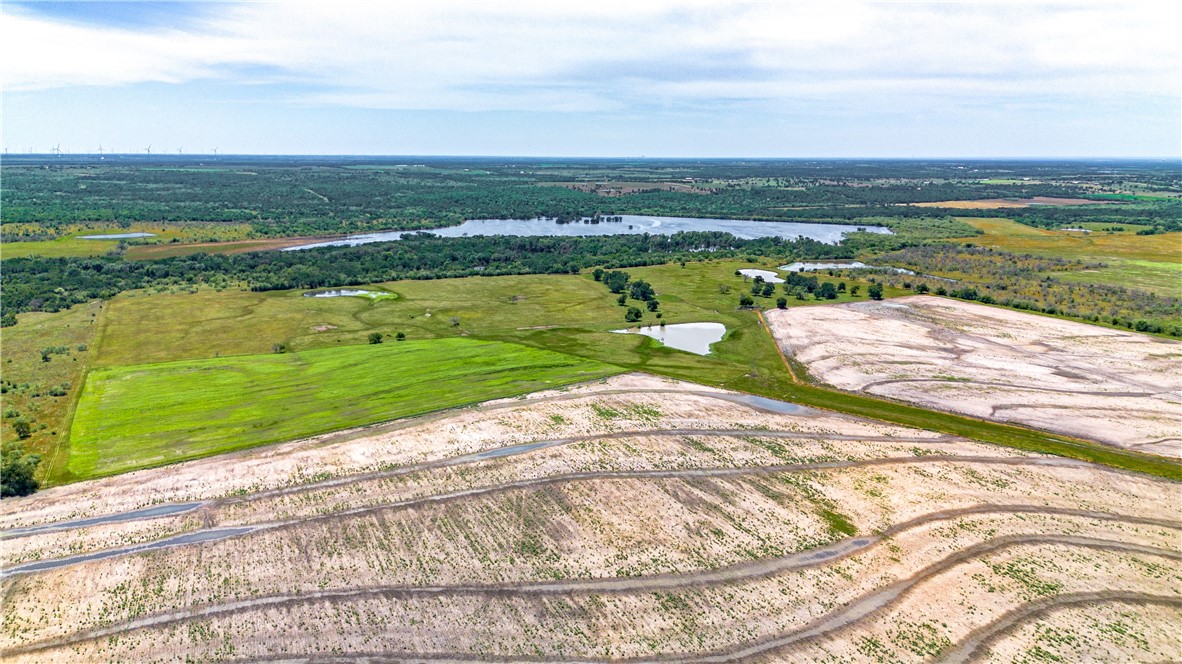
(981,638)
(740,572)
(174,509)
(213,534)
(1028,388)
(753,401)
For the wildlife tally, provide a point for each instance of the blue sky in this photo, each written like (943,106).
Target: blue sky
(658,79)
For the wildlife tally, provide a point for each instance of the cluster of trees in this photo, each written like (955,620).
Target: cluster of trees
(1021,281)
(620,283)
(800,285)
(17,468)
(52,284)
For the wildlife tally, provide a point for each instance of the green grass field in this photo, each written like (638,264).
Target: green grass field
(71,245)
(180,345)
(1148,262)
(140,416)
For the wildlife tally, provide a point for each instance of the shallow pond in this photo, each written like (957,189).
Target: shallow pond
(690,337)
(342,292)
(810,266)
(627,225)
(115,236)
(768,276)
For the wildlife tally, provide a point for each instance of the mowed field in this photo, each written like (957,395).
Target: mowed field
(148,415)
(1148,262)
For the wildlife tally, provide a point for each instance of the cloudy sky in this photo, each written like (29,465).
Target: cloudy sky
(601,78)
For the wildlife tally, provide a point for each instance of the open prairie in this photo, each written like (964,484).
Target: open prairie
(1116,387)
(631,517)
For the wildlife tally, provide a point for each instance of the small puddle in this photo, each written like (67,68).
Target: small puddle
(691,337)
(764,403)
(134,515)
(190,538)
(115,236)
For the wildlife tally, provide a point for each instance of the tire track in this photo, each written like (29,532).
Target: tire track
(859,609)
(214,534)
(175,509)
(981,638)
(750,400)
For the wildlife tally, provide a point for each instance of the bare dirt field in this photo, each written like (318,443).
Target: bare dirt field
(633,517)
(1115,387)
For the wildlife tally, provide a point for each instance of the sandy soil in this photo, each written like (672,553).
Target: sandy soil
(659,521)
(1115,387)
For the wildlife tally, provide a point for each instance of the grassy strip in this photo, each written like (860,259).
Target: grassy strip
(148,415)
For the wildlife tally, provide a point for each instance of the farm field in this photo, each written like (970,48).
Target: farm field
(1148,262)
(203,407)
(628,517)
(1121,388)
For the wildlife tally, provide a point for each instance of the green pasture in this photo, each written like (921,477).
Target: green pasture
(1148,262)
(183,374)
(147,415)
(71,244)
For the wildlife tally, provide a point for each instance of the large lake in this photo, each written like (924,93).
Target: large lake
(628,225)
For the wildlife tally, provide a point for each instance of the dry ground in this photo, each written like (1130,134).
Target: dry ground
(1111,386)
(645,518)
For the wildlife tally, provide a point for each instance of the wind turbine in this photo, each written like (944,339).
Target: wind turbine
(57,150)
(215,152)
(100,149)
(148,149)
(179,150)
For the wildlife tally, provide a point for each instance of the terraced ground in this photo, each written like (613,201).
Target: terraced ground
(1111,386)
(632,517)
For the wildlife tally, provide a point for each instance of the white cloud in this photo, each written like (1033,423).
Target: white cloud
(613,55)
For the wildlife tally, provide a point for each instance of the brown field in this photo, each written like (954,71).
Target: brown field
(1111,386)
(999,203)
(653,519)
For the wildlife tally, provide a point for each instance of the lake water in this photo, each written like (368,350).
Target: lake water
(341,292)
(115,236)
(768,276)
(811,266)
(628,225)
(690,337)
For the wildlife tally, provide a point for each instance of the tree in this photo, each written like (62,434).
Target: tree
(401,336)
(875,291)
(632,315)
(854,290)
(597,274)
(22,427)
(16,472)
(641,290)
(622,299)
(375,337)
(768,289)
(652,305)
(922,288)
(746,300)
(781,302)
(827,291)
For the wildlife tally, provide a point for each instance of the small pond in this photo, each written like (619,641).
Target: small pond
(115,236)
(690,337)
(810,266)
(768,276)
(628,224)
(343,292)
